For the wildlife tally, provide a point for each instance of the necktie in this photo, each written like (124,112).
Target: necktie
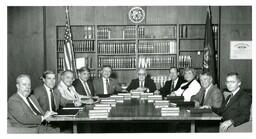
(33,107)
(108,85)
(228,98)
(52,101)
(87,90)
(202,101)
(172,86)
(71,92)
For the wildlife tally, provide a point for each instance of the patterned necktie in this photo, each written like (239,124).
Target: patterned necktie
(33,107)
(228,98)
(52,101)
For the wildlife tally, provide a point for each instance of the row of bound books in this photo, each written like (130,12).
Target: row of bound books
(118,62)
(89,32)
(156,62)
(78,46)
(157,47)
(185,61)
(160,80)
(116,47)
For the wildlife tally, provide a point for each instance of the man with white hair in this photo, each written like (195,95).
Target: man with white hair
(142,83)
(24,110)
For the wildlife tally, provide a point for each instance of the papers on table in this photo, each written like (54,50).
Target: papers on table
(170,111)
(161,103)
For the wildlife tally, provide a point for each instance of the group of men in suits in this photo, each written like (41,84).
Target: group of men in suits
(49,97)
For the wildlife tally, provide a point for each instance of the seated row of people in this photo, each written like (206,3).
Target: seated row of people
(50,97)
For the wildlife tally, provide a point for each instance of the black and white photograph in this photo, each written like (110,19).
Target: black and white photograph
(129,69)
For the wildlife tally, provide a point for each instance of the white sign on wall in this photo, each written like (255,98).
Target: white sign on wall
(240,49)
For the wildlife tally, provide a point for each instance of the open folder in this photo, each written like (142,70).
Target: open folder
(67,112)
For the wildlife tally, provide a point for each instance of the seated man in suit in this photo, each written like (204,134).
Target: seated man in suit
(189,88)
(236,108)
(67,90)
(84,85)
(106,85)
(171,85)
(48,97)
(209,94)
(24,110)
(142,83)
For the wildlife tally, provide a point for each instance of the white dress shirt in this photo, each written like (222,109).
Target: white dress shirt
(105,85)
(206,91)
(48,90)
(85,85)
(175,82)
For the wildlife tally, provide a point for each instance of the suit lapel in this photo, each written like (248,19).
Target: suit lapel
(177,84)
(24,104)
(233,99)
(208,93)
(37,105)
(90,87)
(81,86)
(47,98)
(101,85)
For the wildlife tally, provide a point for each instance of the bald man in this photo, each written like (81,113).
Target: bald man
(142,83)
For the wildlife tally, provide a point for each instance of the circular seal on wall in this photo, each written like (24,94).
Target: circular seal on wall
(136,15)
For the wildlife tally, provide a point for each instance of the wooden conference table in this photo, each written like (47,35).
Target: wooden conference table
(137,110)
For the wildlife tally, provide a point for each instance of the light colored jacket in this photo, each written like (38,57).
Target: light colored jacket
(69,95)
(192,89)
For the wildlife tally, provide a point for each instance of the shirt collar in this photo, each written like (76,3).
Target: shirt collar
(47,88)
(176,80)
(206,90)
(23,97)
(234,92)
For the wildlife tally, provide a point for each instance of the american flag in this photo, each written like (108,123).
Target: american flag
(69,58)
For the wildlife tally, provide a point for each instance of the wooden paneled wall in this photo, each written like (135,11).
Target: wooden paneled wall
(26,36)
(25,44)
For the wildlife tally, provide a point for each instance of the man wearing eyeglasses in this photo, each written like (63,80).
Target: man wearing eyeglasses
(236,107)
(142,83)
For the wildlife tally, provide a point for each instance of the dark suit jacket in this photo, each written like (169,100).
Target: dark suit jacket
(99,88)
(42,97)
(19,113)
(238,108)
(149,83)
(164,91)
(80,88)
(213,98)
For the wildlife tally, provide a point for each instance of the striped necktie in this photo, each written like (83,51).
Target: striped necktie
(33,107)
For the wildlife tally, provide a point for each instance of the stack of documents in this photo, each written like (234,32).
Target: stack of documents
(161,103)
(135,94)
(127,96)
(98,113)
(118,98)
(144,96)
(102,107)
(109,100)
(170,111)
(154,98)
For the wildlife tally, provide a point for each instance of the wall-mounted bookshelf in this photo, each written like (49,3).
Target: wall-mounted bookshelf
(126,48)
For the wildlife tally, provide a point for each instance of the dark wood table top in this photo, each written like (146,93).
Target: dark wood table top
(135,109)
